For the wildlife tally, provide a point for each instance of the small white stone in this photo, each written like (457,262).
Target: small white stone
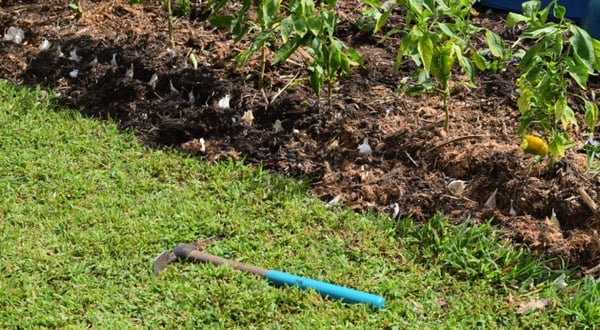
(74,73)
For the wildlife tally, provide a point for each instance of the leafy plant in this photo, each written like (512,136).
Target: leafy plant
(331,57)
(438,36)
(76,5)
(299,24)
(548,98)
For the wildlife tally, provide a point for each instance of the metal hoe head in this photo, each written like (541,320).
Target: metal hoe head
(164,259)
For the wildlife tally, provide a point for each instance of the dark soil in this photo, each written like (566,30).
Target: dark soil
(413,158)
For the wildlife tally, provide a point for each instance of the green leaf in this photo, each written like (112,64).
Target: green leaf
(495,43)
(544,31)
(315,24)
(583,46)
(591,114)
(596,44)
(288,48)
(578,71)
(513,19)
(559,144)
(479,61)
(559,11)
(564,113)
(260,41)
(301,27)
(382,20)
(316,78)
(425,49)
(447,30)
(221,21)
(286,28)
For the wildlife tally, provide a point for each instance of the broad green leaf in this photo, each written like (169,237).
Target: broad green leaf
(315,24)
(316,78)
(564,113)
(524,100)
(559,144)
(221,21)
(354,56)
(270,10)
(479,61)
(530,7)
(495,43)
(578,71)
(447,30)
(544,31)
(425,49)
(301,27)
(513,19)
(286,28)
(288,48)
(591,114)
(596,44)
(583,46)
(260,41)
(335,56)
(467,66)
(559,11)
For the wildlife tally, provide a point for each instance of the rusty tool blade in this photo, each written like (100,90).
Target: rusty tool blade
(162,260)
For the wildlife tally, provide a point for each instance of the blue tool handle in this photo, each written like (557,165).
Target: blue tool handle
(327,290)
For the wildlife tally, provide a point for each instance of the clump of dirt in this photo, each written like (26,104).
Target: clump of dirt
(113,62)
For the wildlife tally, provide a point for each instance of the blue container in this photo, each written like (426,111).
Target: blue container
(584,12)
(592,21)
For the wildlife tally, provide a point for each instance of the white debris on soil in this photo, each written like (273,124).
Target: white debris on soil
(277,127)
(224,102)
(365,148)
(457,187)
(74,73)
(15,35)
(45,45)
(248,118)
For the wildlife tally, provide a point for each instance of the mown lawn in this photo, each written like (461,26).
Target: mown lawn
(84,209)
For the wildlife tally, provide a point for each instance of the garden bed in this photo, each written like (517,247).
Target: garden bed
(413,158)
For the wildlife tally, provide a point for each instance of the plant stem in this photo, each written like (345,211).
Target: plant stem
(329,92)
(445,97)
(261,76)
(170,25)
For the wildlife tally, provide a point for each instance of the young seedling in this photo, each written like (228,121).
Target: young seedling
(169,8)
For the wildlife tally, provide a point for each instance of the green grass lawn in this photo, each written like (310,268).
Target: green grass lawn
(84,209)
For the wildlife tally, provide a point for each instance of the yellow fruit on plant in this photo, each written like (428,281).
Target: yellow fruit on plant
(534,145)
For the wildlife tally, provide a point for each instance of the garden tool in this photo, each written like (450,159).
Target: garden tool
(193,252)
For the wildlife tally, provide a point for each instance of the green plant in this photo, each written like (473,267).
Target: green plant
(331,57)
(76,5)
(548,98)
(437,36)
(169,7)
(298,24)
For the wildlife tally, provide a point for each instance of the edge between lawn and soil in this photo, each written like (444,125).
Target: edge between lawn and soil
(86,208)
(412,162)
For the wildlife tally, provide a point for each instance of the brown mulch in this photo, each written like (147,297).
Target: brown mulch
(413,158)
